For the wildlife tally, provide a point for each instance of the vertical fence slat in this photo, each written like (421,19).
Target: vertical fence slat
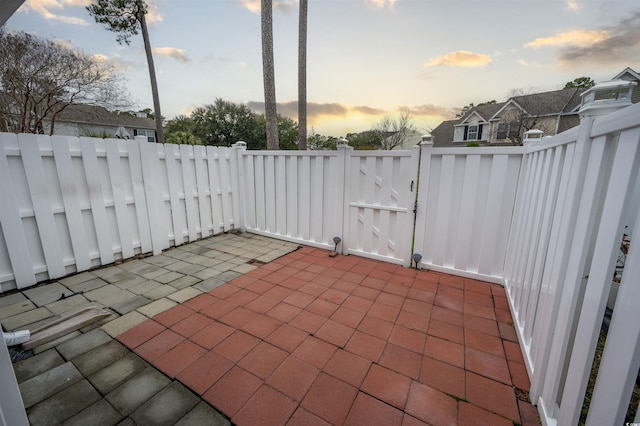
(135,167)
(609,235)
(155,200)
(12,225)
(213,164)
(125,232)
(292,197)
(281,195)
(30,147)
(621,357)
(202,188)
(71,202)
(178,217)
(188,180)
(224,163)
(317,195)
(96,197)
(270,193)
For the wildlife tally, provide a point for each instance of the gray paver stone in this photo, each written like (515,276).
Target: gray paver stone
(168,277)
(46,294)
(26,318)
(16,308)
(203,414)
(130,304)
(210,284)
(48,383)
(83,343)
(100,357)
(130,281)
(159,292)
(109,295)
(88,285)
(228,276)
(113,375)
(63,404)
(31,367)
(137,390)
(56,342)
(99,414)
(167,407)
(12,299)
(185,281)
(69,304)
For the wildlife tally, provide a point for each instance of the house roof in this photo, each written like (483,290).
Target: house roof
(485,111)
(97,115)
(443,134)
(627,74)
(550,103)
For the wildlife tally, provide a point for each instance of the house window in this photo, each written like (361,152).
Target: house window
(150,134)
(473,132)
(503,131)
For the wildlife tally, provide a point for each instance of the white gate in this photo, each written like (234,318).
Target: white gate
(380,192)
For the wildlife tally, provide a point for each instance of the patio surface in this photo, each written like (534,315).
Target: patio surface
(301,340)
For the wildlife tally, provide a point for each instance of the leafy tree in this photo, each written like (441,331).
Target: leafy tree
(126,18)
(369,139)
(287,131)
(580,83)
(225,123)
(394,131)
(183,138)
(302,76)
(321,142)
(40,78)
(181,123)
(270,111)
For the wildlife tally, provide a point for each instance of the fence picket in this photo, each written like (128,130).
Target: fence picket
(125,232)
(12,226)
(203,191)
(140,201)
(71,201)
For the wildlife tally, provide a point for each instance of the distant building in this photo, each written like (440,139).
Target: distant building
(87,120)
(505,123)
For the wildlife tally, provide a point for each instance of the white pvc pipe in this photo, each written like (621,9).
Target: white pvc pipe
(16,337)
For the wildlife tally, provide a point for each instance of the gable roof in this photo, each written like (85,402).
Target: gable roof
(550,103)
(485,111)
(97,115)
(627,74)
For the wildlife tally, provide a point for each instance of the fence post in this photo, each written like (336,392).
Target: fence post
(420,206)
(238,185)
(343,188)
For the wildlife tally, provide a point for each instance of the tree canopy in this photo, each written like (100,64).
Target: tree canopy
(580,83)
(224,123)
(40,78)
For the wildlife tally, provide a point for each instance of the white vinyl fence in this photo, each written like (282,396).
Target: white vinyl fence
(577,195)
(69,204)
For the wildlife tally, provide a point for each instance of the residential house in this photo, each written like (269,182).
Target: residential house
(88,120)
(504,123)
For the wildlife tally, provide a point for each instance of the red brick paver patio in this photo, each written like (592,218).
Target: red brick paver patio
(313,340)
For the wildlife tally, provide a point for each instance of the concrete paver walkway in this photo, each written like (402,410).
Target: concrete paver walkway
(205,335)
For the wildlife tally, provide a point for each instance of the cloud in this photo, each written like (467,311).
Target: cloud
(316,110)
(254,5)
(383,3)
(460,58)
(616,44)
(573,5)
(430,110)
(172,52)
(573,38)
(116,64)
(44,8)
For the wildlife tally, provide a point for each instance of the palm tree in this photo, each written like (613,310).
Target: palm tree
(123,18)
(270,111)
(302,76)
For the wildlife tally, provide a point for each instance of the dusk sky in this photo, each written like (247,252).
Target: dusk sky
(366,58)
